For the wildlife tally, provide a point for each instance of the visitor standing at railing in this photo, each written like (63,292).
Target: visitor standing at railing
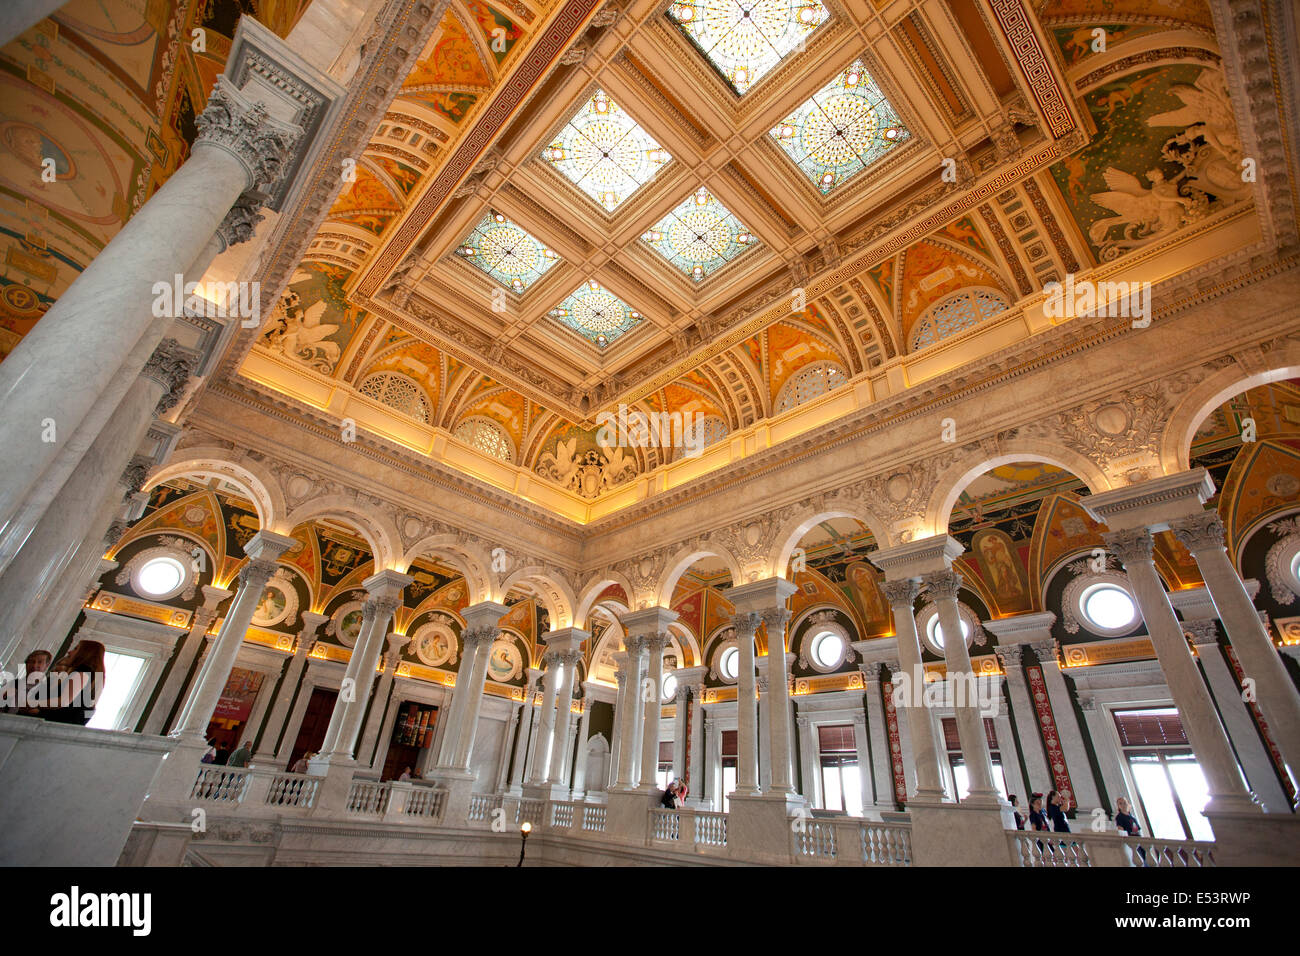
(681,795)
(1056,807)
(669,799)
(241,756)
(75,682)
(1037,819)
(301,765)
(1124,818)
(20,700)
(1015,811)
(210,756)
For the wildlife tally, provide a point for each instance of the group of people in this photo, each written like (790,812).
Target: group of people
(675,796)
(1053,819)
(64,691)
(218,754)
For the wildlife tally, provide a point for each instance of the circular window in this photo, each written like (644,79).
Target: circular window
(160,577)
(1108,607)
(934,631)
(668,689)
(828,650)
(1295,568)
(729,664)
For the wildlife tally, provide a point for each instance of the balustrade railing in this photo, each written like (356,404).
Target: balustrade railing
(425,802)
(292,790)
(562,816)
(593,818)
(886,844)
(665,825)
(710,828)
(368,797)
(1043,849)
(221,784)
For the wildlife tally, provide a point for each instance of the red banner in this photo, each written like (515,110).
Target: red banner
(895,745)
(1051,739)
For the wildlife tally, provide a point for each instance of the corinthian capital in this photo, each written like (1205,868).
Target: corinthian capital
(902,594)
(776,618)
(171,366)
(256,573)
(135,473)
(382,608)
(1135,544)
(746,624)
(1199,532)
(942,585)
(241,222)
(482,634)
(242,128)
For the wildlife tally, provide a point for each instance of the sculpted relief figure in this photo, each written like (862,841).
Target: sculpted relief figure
(1143,213)
(299,333)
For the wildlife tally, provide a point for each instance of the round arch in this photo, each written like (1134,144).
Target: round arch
(681,562)
(1209,394)
(553,591)
(592,590)
(374,527)
(788,538)
(466,558)
(249,476)
(952,482)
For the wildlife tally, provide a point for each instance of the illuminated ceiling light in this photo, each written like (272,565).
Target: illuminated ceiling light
(845,127)
(596,314)
(699,236)
(506,252)
(605,153)
(745,39)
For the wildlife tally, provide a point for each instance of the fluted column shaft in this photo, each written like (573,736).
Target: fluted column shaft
(1200,721)
(263,550)
(374,720)
(778,688)
(480,640)
(1276,693)
(901,596)
(942,587)
(526,719)
(746,705)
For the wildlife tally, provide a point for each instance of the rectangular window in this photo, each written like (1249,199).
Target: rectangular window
(122,673)
(841,781)
(1171,788)
(730,747)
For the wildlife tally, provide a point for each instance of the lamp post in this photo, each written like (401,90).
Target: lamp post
(525,828)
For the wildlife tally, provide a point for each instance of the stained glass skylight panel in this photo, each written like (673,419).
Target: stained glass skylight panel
(596,314)
(506,252)
(699,236)
(745,39)
(603,152)
(845,127)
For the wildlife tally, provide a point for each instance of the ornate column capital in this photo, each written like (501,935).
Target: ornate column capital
(257,572)
(1046,650)
(479,634)
(571,658)
(746,624)
(115,531)
(1202,632)
(1132,544)
(135,473)
(1009,654)
(942,585)
(170,365)
(902,594)
(1087,703)
(242,220)
(683,691)
(761,683)
(860,718)
(394,653)
(1199,532)
(802,720)
(776,618)
(243,128)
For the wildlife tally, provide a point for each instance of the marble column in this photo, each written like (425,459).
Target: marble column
(812,782)
(764,727)
(878,761)
(620,707)
(527,718)
(629,704)
(507,742)
(681,703)
(562,730)
(711,789)
(1276,694)
(482,627)
(652,692)
(1237,720)
(1025,716)
(1200,721)
(262,550)
(942,588)
(546,725)
(695,765)
(241,146)
(367,753)
(273,750)
(746,705)
(191,644)
(580,758)
(1109,759)
(901,596)
(863,747)
(340,744)
(778,675)
(1085,796)
(82,509)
